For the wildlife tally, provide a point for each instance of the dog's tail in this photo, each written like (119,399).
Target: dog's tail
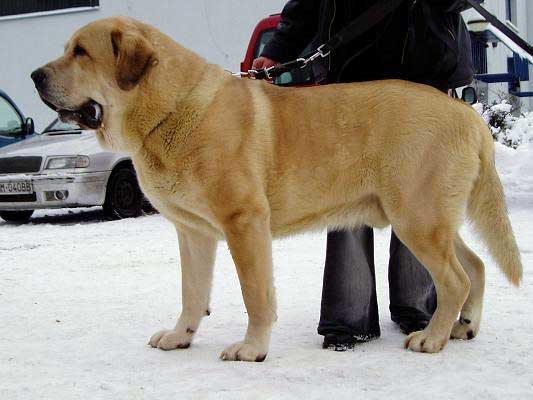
(488,211)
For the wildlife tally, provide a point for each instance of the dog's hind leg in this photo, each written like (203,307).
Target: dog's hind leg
(197,254)
(467,326)
(250,242)
(435,249)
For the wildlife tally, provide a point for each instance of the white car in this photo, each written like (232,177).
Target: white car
(65,167)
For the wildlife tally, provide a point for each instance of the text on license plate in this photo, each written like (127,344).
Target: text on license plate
(16,187)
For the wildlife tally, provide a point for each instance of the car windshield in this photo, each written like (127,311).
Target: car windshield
(263,40)
(59,126)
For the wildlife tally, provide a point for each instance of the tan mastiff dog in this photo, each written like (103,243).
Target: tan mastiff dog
(245,161)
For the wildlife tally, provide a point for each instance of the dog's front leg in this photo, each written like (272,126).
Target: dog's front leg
(197,253)
(250,242)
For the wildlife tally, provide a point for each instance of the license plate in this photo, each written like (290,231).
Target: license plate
(18,187)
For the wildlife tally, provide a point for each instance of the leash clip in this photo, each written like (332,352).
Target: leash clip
(257,73)
(319,53)
(250,74)
(266,71)
(241,74)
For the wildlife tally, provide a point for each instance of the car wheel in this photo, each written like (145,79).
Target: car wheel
(16,217)
(148,208)
(124,198)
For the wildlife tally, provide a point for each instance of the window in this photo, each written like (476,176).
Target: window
(263,40)
(479,54)
(510,10)
(21,7)
(10,122)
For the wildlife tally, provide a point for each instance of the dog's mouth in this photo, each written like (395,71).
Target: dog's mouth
(89,116)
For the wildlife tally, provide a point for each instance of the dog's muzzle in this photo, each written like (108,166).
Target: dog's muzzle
(88,116)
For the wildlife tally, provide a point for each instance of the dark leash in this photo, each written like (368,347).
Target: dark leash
(362,24)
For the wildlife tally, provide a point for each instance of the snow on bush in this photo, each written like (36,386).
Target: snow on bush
(514,147)
(506,128)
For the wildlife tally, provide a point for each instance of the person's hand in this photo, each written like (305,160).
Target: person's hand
(263,62)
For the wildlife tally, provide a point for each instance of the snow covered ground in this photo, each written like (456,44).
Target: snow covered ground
(79,298)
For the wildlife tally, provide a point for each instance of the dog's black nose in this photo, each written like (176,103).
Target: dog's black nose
(39,77)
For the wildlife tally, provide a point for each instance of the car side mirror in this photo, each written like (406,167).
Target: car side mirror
(469,95)
(29,127)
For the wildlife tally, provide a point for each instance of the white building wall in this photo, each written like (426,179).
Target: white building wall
(218,30)
(497,56)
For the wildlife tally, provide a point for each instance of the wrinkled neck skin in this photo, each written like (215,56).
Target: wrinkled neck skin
(176,88)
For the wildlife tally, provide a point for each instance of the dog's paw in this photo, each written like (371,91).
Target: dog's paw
(425,342)
(464,329)
(170,340)
(242,351)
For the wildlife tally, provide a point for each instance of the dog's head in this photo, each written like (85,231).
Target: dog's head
(102,65)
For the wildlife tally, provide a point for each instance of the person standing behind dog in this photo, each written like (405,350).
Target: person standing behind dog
(424,41)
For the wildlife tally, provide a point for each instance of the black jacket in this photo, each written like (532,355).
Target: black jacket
(423,40)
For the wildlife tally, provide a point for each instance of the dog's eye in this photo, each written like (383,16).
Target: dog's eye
(79,51)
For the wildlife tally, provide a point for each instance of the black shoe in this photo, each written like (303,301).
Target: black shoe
(343,341)
(340,342)
(409,326)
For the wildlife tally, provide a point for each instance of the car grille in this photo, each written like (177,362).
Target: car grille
(15,165)
(17,198)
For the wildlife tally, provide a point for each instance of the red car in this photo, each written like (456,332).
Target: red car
(260,37)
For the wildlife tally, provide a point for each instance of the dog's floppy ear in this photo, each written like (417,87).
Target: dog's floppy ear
(134,56)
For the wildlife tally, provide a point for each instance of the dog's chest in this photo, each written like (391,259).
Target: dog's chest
(175,195)
(167,188)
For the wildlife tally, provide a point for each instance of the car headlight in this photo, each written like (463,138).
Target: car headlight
(67,162)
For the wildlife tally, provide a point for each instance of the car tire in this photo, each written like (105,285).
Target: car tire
(148,208)
(16,217)
(124,198)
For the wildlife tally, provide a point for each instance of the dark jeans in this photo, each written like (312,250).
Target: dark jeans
(349,303)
